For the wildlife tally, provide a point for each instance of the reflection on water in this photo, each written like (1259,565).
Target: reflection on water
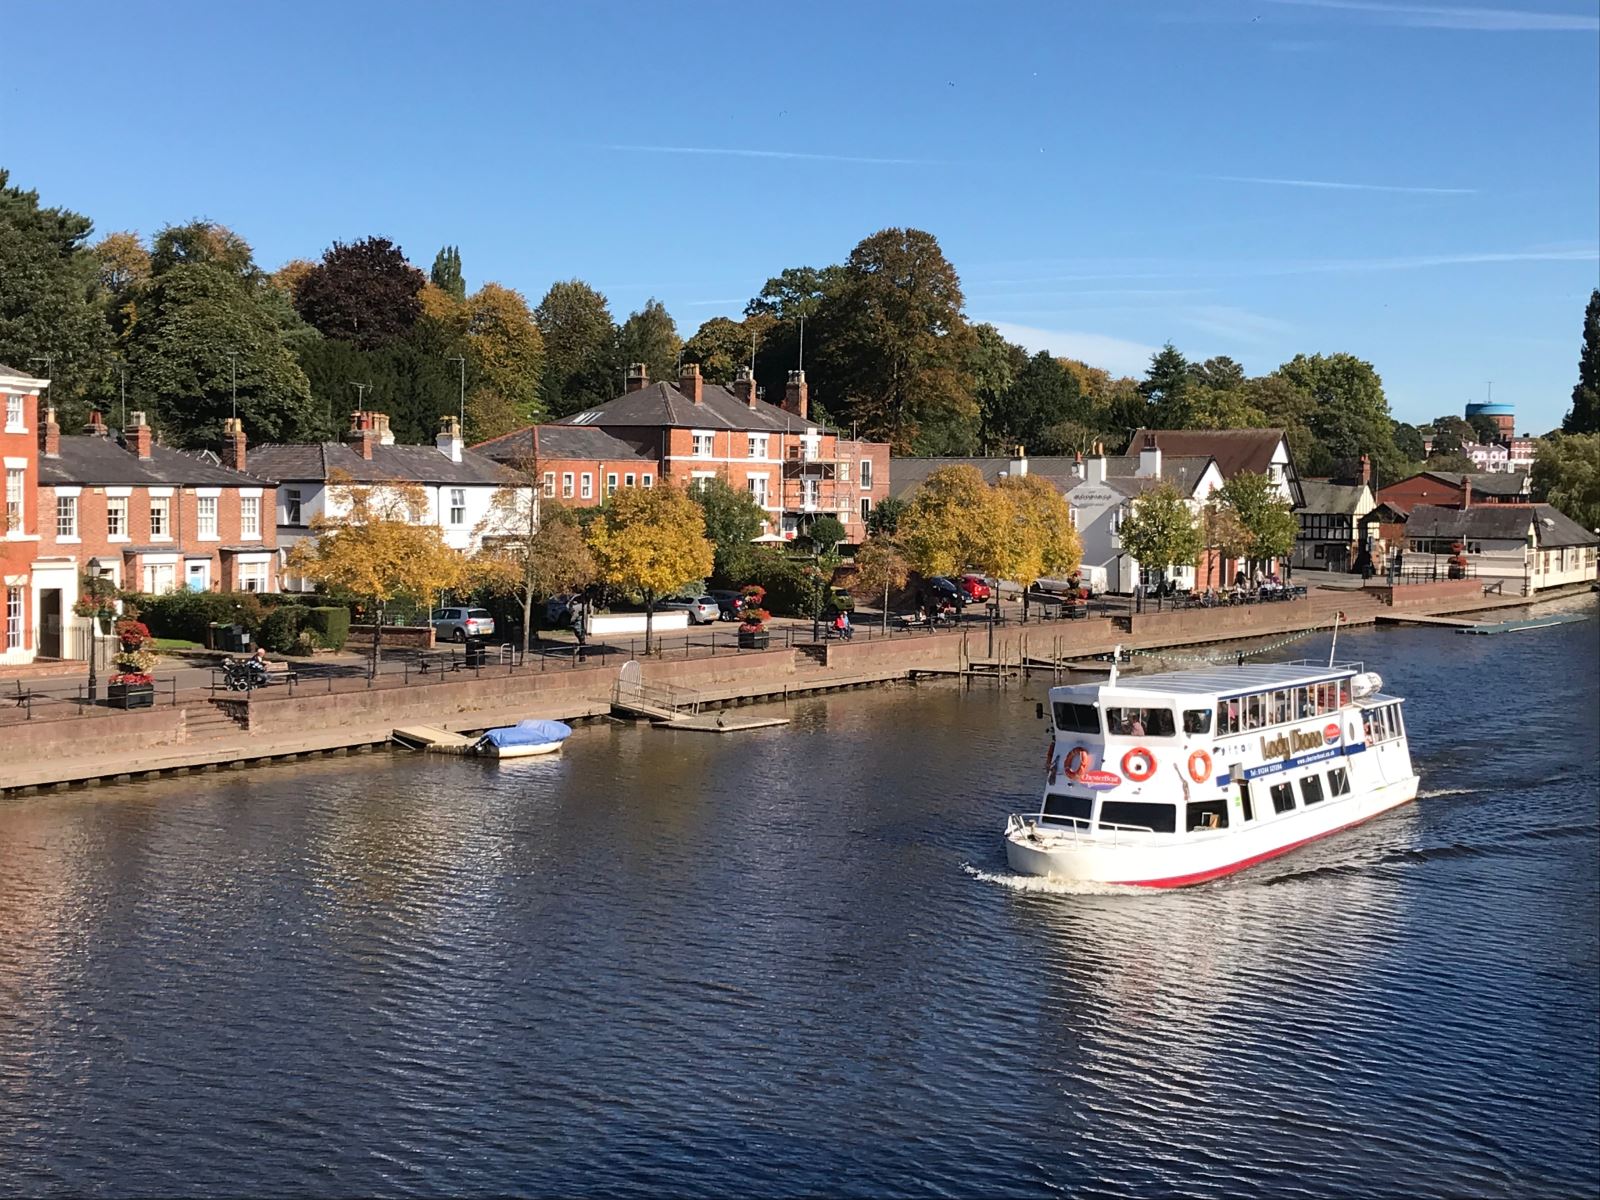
(794,962)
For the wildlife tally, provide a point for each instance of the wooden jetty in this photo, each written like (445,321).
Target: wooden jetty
(431,739)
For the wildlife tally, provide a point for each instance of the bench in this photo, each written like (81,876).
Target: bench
(275,672)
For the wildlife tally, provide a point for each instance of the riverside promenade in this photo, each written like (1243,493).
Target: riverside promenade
(195,730)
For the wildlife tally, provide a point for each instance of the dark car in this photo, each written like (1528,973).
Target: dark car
(941,588)
(728,603)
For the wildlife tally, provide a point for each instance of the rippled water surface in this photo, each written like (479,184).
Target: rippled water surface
(792,962)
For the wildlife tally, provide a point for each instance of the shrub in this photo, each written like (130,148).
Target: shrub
(792,587)
(332,626)
(307,642)
(188,615)
(281,627)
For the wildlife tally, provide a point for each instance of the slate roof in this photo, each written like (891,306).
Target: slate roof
(562,441)
(1341,499)
(91,459)
(1500,522)
(906,475)
(1488,483)
(319,461)
(660,404)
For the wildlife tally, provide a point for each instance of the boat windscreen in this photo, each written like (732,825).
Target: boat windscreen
(1077,718)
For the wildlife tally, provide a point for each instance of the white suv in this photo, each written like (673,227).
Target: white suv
(702,610)
(458,624)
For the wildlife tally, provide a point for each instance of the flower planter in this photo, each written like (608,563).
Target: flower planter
(754,639)
(131,695)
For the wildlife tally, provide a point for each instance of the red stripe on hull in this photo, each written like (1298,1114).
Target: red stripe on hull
(1173,881)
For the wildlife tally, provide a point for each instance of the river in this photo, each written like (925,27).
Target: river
(792,962)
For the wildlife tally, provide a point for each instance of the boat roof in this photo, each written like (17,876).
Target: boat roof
(1224,680)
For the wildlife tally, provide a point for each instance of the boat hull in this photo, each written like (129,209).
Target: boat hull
(489,750)
(1197,859)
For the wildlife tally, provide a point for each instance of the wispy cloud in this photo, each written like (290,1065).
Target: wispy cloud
(1338,186)
(1236,324)
(1421,261)
(1117,355)
(1435,16)
(733,152)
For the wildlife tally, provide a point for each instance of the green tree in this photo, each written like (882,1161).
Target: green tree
(1450,434)
(894,345)
(1266,517)
(1221,374)
(446,274)
(581,369)
(733,520)
(1166,387)
(1160,531)
(506,351)
(1408,442)
(201,243)
(825,533)
(1349,415)
(650,337)
(650,541)
(722,346)
(1566,473)
(1043,395)
(49,302)
(994,364)
(1484,428)
(884,519)
(1584,415)
(1214,408)
(363,292)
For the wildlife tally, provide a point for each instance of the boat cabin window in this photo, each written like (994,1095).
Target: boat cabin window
(1338,782)
(1207,814)
(1283,797)
(1311,789)
(1133,814)
(1197,720)
(1077,718)
(1244,714)
(1381,724)
(1074,808)
(1140,722)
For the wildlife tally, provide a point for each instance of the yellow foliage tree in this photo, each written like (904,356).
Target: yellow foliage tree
(880,568)
(1043,540)
(530,549)
(651,541)
(375,542)
(954,522)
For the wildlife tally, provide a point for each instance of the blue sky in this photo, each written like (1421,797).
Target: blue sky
(1416,183)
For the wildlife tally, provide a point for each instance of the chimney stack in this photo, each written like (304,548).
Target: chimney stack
(233,443)
(363,433)
(1019,462)
(1077,464)
(1466,492)
(49,435)
(1097,464)
(689,383)
(797,397)
(139,442)
(449,439)
(1366,469)
(95,426)
(744,387)
(1150,458)
(638,376)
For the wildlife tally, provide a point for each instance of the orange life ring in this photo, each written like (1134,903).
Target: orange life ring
(1077,761)
(1204,773)
(1149,768)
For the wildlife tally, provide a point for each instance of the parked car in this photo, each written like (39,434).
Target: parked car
(942,588)
(558,609)
(728,603)
(702,610)
(840,600)
(458,624)
(975,586)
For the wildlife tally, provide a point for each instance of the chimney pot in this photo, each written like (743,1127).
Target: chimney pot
(95,426)
(690,383)
(49,435)
(744,387)
(449,440)
(638,376)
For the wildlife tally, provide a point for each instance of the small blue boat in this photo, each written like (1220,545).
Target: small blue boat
(523,739)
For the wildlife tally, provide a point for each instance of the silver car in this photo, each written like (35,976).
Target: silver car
(458,624)
(702,610)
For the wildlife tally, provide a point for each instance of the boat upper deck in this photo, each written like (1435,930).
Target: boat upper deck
(1220,681)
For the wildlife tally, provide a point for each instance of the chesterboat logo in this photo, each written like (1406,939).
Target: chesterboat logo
(1331,734)
(1100,781)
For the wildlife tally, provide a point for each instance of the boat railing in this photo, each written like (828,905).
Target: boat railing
(1081,828)
(1323,665)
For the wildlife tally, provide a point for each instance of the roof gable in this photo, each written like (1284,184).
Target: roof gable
(658,405)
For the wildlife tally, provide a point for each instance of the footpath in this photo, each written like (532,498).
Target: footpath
(194,730)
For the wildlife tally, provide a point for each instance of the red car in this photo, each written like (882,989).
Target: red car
(974,587)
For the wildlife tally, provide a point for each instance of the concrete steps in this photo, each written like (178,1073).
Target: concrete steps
(206,722)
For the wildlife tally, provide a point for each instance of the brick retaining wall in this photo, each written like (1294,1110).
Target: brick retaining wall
(411,637)
(99,731)
(1418,595)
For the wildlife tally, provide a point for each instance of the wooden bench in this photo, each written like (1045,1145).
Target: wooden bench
(276,672)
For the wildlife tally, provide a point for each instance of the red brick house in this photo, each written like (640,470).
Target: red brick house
(148,517)
(19,520)
(678,433)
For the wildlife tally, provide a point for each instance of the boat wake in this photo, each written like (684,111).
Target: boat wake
(1437,793)
(1051,887)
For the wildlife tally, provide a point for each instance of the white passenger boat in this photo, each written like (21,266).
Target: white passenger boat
(1173,779)
(523,739)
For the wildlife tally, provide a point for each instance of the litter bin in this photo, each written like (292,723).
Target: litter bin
(477,652)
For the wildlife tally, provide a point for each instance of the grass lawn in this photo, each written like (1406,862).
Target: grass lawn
(159,644)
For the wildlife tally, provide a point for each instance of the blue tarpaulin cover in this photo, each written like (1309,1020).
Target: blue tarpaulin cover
(528,733)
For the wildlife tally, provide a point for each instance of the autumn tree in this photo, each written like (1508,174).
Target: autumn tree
(446,273)
(1160,531)
(530,548)
(288,278)
(722,346)
(649,336)
(650,541)
(1041,540)
(952,524)
(1222,530)
(375,542)
(881,568)
(202,243)
(580,346)
(1584,415)
(894,345)
(48,300)
(363,292)
(507,353)
(1263,512)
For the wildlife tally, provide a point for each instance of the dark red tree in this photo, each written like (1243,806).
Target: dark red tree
(363,292)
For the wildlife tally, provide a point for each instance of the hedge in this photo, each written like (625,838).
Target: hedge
(188,615)
(332,626)
(281,627)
